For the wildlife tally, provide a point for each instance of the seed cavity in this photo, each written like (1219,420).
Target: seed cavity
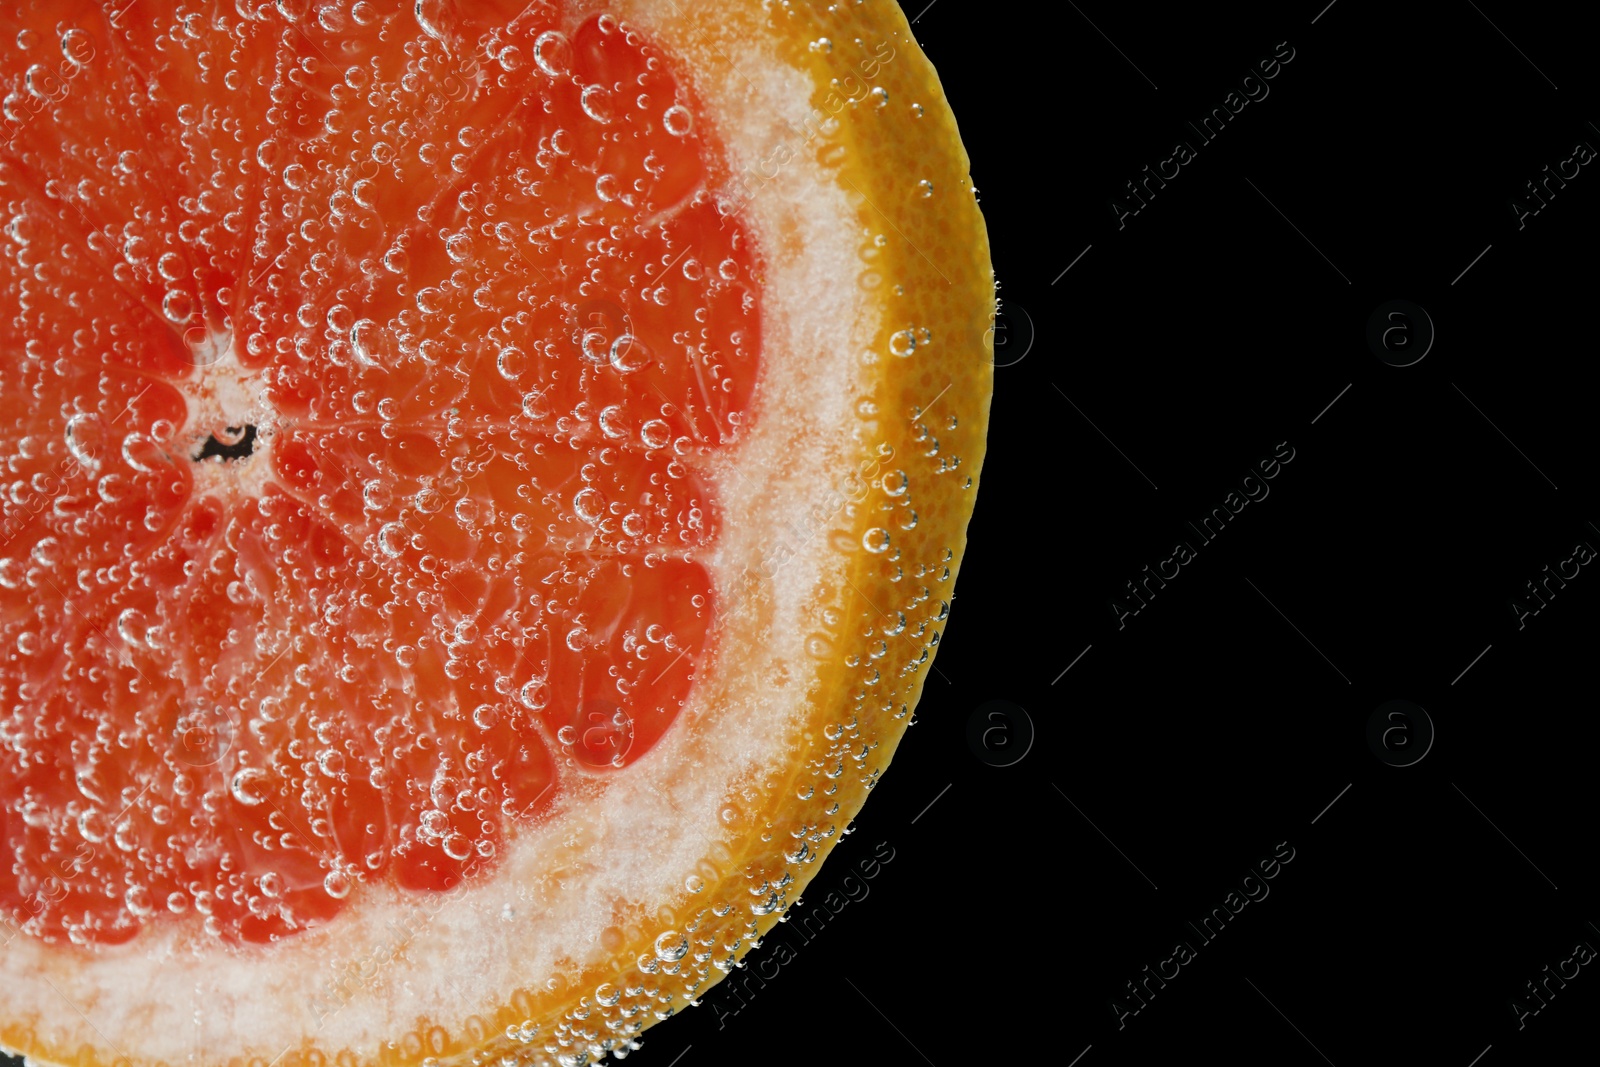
(235,442)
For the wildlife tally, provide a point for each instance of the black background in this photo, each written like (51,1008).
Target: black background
(1232,711)
(1228,714)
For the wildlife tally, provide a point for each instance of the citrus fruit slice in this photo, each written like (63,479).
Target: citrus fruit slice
(482,487)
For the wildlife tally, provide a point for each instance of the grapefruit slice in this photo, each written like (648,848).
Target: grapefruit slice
(482,488)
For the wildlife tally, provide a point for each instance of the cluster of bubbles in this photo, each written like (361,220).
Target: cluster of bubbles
(704,941)
(464,325)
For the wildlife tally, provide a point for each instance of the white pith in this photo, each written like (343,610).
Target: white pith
(608,861)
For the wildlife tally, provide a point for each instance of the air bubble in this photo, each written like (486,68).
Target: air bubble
(77,46)
(677,120)
(376,495)
(113,488)
(610,421)
(229,435)
(430,300)
(178,306)
(589,505)
(139,902)
(247,786)
(655,434)
(552,52)
(392,539)
(132,626)
(47,551)
(431,16)
(94,826)
(428,500)
(512,363)
(365,338)
(629,354)
(671,947)
(84,439)
(596,102)
(596,346)
(42,82)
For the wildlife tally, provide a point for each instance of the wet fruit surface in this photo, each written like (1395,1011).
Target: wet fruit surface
(357,389)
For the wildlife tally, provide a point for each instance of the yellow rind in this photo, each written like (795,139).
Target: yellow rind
(937,252)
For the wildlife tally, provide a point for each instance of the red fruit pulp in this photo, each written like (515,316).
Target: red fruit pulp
(359,376)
